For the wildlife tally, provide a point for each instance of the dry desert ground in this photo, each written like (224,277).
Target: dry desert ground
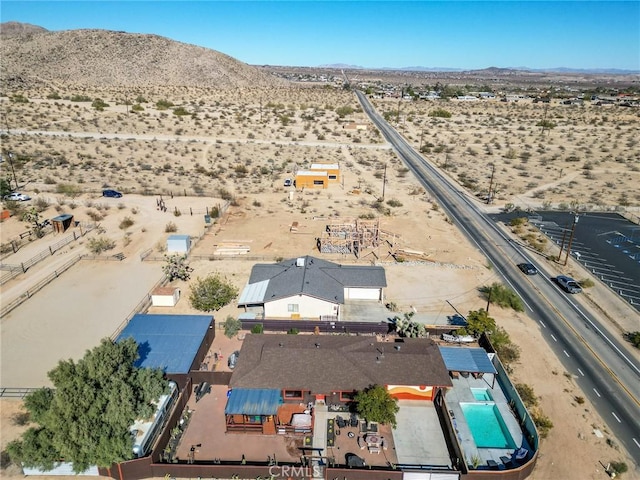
(237,148)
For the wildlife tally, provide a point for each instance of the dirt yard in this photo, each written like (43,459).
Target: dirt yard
(242,152)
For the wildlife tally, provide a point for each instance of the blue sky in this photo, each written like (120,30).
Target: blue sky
(452,34)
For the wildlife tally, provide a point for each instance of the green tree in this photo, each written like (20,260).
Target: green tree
(32,217)
(502,296)
(375,404)
(344,111)
(176,267)
(212,293)
(478,322)
(85,418)
(5,187)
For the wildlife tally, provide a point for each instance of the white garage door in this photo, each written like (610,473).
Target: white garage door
(362,293)
(430,476)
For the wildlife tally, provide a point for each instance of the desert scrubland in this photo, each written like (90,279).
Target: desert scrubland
(198,148)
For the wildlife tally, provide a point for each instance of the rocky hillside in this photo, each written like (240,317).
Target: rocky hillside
(32,56)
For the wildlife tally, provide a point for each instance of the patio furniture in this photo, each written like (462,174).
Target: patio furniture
(353,420)
(374,450)
(361,443)
(493,465)
(372,440)
(505,460)
(521,453)
(341,422)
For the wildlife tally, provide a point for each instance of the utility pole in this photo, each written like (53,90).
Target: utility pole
(384,180)
(564,236)
(493,170)
(573,230)
(421,135)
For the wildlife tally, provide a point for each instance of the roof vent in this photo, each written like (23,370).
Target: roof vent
(300,262)
(281,344)
(397,347)
(317,345)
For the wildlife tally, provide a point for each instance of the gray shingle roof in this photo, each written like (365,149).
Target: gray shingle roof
(316,278)
(324,364)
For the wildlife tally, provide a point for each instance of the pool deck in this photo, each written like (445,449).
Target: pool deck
(461,393)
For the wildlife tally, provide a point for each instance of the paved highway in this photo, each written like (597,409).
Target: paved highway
(601,365)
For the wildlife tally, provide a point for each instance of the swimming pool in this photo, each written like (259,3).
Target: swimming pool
(487,425)
(482,394)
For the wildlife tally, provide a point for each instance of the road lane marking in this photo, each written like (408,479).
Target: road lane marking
(636,442)
(542,323)
(581,372)
(616,417)
(599,396)
(565,352)
(554,338)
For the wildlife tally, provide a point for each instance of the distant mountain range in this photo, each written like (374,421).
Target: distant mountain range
(497,70)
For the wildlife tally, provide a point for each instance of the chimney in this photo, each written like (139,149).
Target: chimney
(300,262)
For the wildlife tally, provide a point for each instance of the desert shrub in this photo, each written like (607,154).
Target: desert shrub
(586,283)
(170,227)
(98,245)
(440,113)
(344,111)
(17,98)
(293,331)
(518,221)
(41,204)
(257,328)
(527,395)
(633,338)
(543,423)
(163,104)
(394,203)
(618,467)
(80,98)
(176,212)
(180,111)
(231,326)
(54,96)
(94,215)
(502,295)
(137,108)
(579,400)
(99,104)
(126,223)
(68,189)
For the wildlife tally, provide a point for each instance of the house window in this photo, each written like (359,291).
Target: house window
(318,182)
(293,307)
(347,396)
(333,177)
(293,394)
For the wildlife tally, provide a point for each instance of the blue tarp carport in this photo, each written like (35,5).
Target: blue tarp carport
(253,401)
(472,360)
(169,342)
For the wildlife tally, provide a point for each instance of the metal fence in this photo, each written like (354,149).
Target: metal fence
(142,306)
(9,392)
(38,286)
(15,270)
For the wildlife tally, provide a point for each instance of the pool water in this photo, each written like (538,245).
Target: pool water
(482,394)
(487,425)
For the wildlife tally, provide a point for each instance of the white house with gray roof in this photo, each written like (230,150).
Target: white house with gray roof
(308,287)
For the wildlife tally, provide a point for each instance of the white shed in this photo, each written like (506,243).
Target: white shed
(165,296)
(178,244)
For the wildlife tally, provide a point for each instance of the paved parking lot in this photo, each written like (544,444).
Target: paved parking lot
(606,244)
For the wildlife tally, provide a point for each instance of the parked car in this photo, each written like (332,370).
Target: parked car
(17,197)
(111,193)
(568,284)
(528,269)
(233,359)
(288,182)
